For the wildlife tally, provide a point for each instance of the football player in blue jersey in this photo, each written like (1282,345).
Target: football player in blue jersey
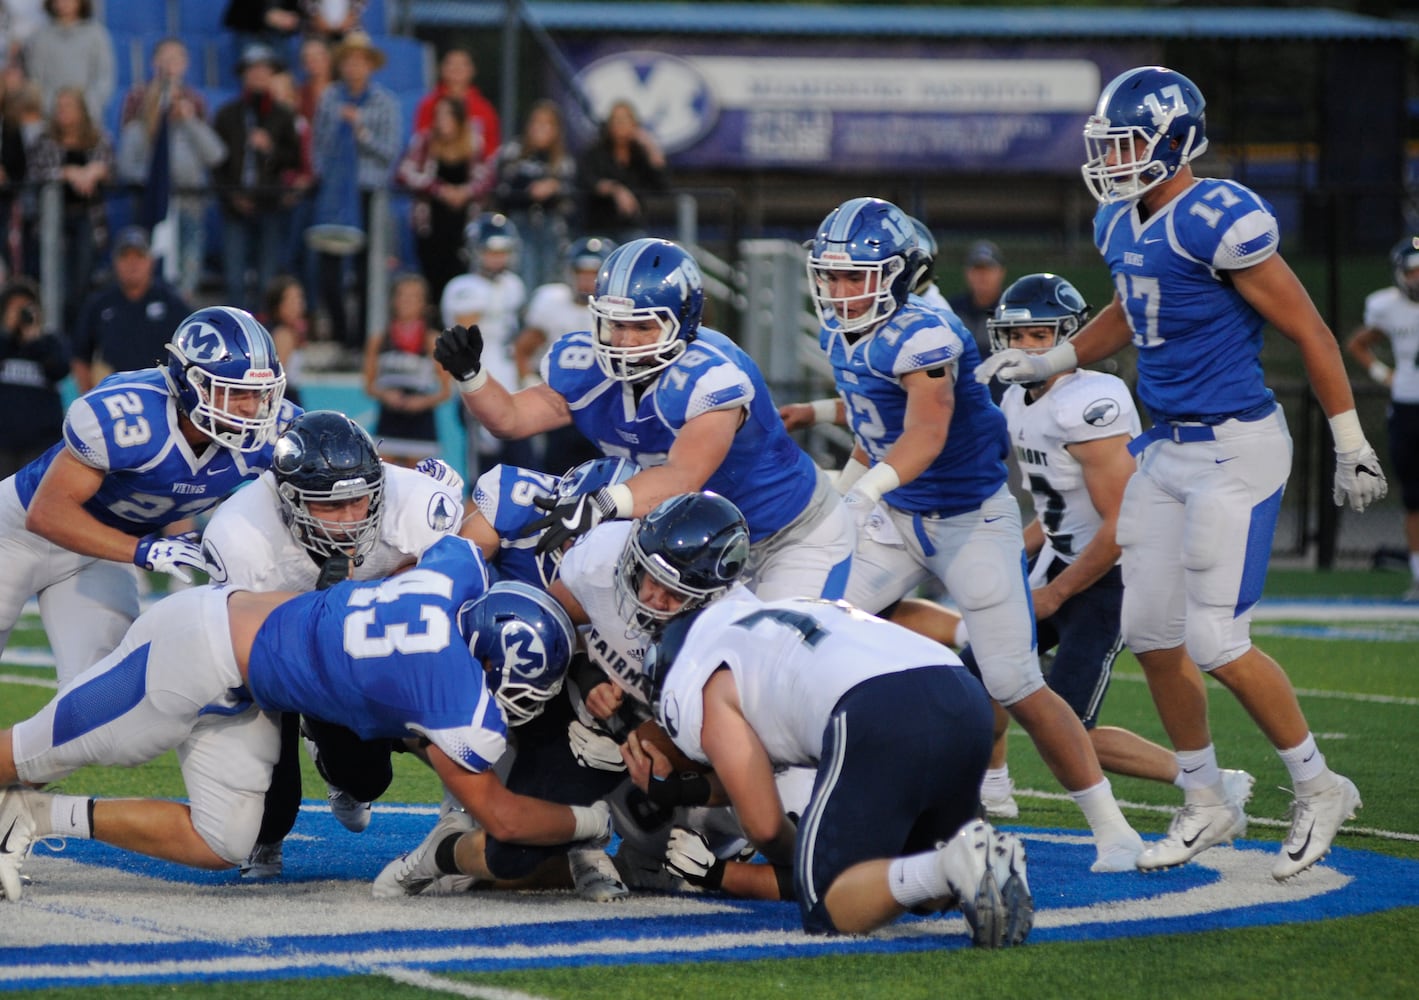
(433,655)
(1197,276)
(141,450)
(927,480)
(650,384)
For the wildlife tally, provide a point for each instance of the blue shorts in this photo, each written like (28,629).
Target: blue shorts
(903,758)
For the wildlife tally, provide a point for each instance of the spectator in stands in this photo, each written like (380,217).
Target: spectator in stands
(262,145)
(33,361)
(456,74)
(19,19)
(438,169)
(276,24)
(332,19)
(72,50)
(193,149)
(296,183)
(357,138)
(13,166)
(616,171)
(403,378)
(77,152)
(127,325)
(284,313)
(984,274)
(536,189)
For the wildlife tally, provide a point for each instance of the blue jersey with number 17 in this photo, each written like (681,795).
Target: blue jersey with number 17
(385,658)
(971,467)
(127,428)
(1199,342)
(766,475)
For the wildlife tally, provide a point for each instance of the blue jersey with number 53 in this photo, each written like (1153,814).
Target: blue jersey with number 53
(1199,342)
(127,427)
(385,658)
(766,475)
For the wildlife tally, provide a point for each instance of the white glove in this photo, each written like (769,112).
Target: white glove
(860,507)
(593,749)
(170,555)
(1359,478)
(1014,365)
(441,472)
(688,855)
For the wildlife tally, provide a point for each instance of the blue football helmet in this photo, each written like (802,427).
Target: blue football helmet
(695,544)
(495,232)
(927,242)
(1038,300)
(1149,123)
(1404,258)
(588,477)
(876,240)
(223,369)
(325,457)
(525,640)
(646,280)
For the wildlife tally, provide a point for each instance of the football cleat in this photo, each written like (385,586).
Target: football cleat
(18,807)
(353,814)
(1315,819)
(1237,786)
(264,861)
(965,864)
(594,875)
(1000,804)
(1195,827)
(1007,862)
(412,873)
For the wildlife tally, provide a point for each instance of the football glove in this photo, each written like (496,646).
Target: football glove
(1014,365)
(1359,478)
(335,569)
(569,520)
(173,556)
(594,750)
(459,349)
(688,855)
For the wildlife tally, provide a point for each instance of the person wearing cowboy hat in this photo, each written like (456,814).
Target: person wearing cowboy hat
(357,139)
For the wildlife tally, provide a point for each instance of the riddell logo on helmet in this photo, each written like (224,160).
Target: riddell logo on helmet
(260,373)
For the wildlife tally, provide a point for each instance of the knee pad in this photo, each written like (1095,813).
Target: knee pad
(1212,637)
(979,578)
(513,861)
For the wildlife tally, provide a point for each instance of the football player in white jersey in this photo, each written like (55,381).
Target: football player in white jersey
(683,402)
(203,672)
(1393,314)
(1070,434)
(927,482)
(490,296)
(897,730)
(327,510)
(141,450)
(1197,275)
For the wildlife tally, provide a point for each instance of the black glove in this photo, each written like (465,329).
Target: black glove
(570,519)
(460,350)
(335,569)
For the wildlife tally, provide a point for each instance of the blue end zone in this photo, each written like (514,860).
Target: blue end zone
(1224,888)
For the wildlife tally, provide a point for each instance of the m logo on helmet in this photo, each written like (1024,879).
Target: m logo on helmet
(524,655)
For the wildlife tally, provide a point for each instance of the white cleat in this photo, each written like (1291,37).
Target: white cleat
(1195,827)
(1119,854)
(964,861)
(594,875)
(18,807)
(998,805)
(1315,819)
(263,862)
(1007,862)
(353,814)
(412,873)
(1237,786)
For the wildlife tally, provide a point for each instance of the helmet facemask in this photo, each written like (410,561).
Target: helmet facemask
(219,412)
(631,569)
(323,538)
(633,363)
(876,294)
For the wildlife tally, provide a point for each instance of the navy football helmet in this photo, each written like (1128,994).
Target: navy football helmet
(870,237)
(927,242)
(695,544)
(525,640)
(1038,300)
(223,369)
(588,253)
(588,477)
(1404,258)
(491,231)
(325,457)
(1149,123)
(646,280)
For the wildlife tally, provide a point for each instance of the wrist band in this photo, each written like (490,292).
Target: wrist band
(825,411)
(879,479)
(590,822)
(1345,429)
(620,495)
(473,382)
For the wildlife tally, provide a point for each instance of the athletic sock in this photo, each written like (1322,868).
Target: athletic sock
(1198,775)
(69,816)
(1102,812)
(916,879)
(1306,763)
(996,783)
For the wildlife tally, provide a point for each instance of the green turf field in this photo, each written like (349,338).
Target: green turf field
(1361,694)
